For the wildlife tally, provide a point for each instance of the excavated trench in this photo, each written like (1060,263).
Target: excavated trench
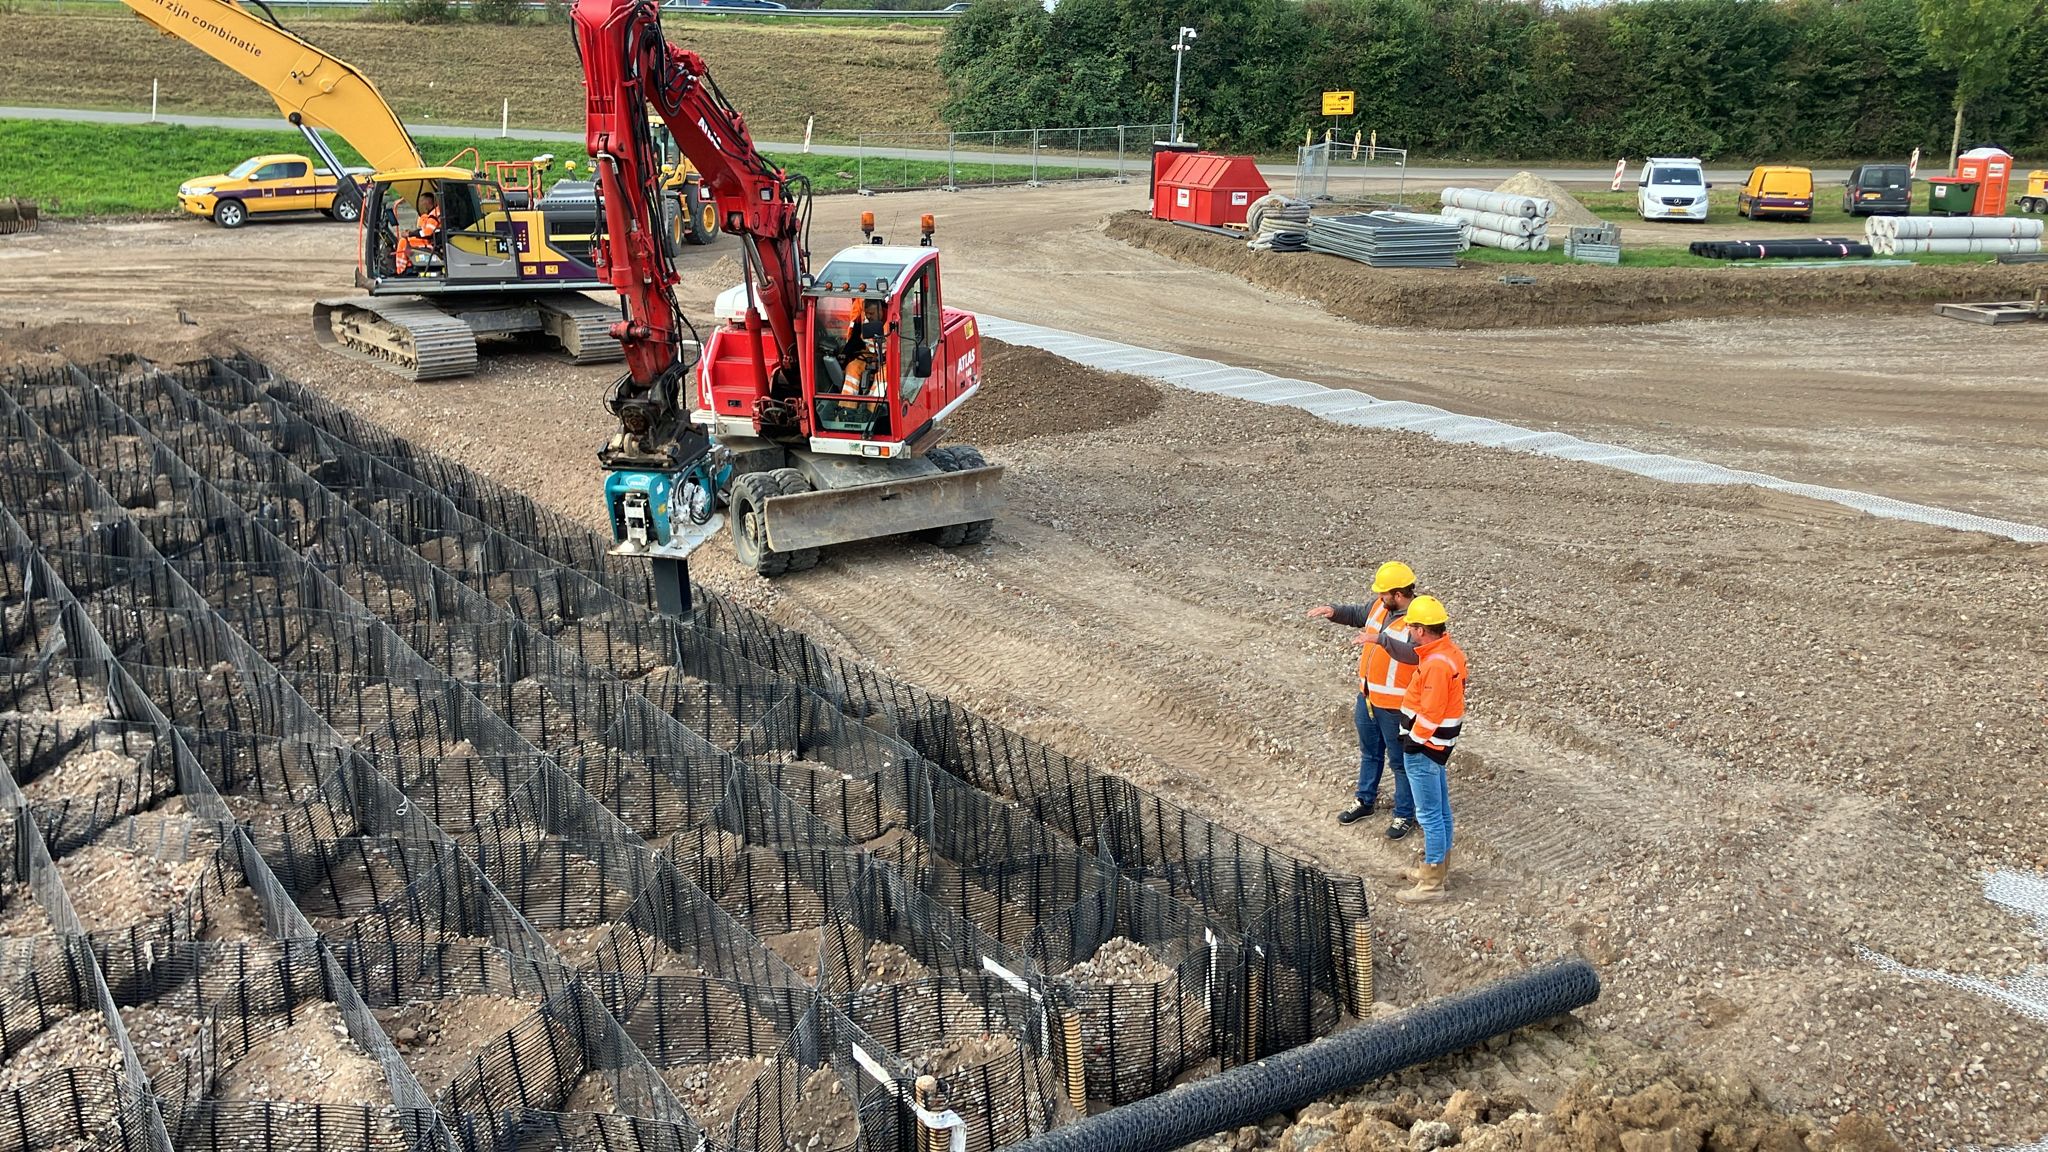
(358,802)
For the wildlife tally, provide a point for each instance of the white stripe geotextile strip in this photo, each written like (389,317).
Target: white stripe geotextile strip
(1358,409)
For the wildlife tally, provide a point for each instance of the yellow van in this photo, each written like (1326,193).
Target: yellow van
(1776,190)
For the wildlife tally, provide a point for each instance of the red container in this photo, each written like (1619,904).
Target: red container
(1207,188)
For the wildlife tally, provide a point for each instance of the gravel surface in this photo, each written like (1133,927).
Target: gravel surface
(714,1092)
(440,1038)
(312,1061)
(824,1118)
(79,1040)
(1722,857)
(113,887)
(1120,961)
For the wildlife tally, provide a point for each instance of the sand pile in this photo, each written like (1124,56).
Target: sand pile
(1569,210)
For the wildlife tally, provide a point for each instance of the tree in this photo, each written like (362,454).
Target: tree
(1976,38)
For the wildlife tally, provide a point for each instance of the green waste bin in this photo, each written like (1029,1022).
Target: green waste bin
(1951,197)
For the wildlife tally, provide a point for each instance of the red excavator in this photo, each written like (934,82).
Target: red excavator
(813,410)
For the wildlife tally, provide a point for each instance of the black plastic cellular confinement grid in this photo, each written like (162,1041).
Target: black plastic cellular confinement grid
(381,755)
(1304,926)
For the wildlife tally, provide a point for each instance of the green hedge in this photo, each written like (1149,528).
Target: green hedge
(1755,79)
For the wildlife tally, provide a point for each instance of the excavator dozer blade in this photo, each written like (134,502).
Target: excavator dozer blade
(866,511)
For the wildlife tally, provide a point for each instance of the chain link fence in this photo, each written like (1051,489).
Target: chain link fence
(950,161)
(1351,173)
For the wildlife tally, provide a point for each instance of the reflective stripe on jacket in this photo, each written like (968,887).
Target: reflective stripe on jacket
(1382,678)
(1433,709)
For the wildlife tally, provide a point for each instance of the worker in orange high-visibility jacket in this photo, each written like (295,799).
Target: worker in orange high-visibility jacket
(423,236)
(1381,682)
(1432,715)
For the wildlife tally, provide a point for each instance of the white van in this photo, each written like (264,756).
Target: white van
(1672,188)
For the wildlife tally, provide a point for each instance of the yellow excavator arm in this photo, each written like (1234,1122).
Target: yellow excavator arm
(312,89)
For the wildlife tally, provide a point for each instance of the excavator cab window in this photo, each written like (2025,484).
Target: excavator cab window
(918,332)
(853,369)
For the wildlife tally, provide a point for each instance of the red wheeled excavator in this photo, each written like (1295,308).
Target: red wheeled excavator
(813,410)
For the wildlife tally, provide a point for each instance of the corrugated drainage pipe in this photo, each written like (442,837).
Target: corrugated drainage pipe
(1249,1093)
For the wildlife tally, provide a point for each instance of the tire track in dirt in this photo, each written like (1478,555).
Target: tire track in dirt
(1048,674)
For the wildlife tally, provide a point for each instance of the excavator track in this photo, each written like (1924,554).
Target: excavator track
(583,327)
(405,335)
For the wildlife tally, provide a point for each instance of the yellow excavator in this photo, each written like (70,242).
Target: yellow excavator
(447,254)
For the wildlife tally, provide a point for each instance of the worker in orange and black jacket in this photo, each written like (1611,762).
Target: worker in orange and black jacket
(1381,682)
(423,235)
(1432,715)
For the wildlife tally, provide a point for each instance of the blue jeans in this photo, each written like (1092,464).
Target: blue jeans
(1432,805)
(1379,741)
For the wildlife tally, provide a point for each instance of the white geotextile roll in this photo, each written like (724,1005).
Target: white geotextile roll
(1480,200)
(1961,245)
(1507,242)
(1958,227)
(1496,222)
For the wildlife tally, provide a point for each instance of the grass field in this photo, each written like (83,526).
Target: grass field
(853,78)
(134,170)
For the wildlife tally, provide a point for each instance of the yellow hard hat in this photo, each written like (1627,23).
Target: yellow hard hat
(1428,610)
(1393,574)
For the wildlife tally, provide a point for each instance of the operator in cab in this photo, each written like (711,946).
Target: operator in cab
(861,354)
(422,236)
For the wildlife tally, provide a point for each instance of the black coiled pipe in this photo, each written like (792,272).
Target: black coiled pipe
(1249,1093)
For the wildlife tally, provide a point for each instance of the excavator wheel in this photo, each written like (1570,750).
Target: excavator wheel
(749,531)
(958,458)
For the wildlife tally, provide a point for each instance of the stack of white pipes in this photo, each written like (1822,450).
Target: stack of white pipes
(1902,235)
(1497,220)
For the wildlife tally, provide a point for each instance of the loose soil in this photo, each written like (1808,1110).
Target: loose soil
(161,1037)
(824,1118)
(1720,857)
(233,915)
(440,1038)
(879,79)
(1120,961)
(798,949)
(1473,296)
(714,1092)
(20,915)
(112,887)
(80,1040)
(312,1062)
(84,775)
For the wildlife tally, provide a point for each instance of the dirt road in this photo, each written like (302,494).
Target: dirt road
(1721,743)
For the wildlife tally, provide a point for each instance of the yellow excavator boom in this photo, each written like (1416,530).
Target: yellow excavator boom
(312,89)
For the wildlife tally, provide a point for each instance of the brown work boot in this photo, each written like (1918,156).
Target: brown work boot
(1429,886)
(1412,874)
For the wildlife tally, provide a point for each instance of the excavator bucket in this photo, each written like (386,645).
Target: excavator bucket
(10,216)
(866,511)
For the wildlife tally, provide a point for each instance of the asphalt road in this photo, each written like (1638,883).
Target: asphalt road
(1419,176)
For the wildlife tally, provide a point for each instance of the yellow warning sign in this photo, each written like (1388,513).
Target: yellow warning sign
(1338,103)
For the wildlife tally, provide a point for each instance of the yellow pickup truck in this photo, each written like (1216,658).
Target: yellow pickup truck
(268,186)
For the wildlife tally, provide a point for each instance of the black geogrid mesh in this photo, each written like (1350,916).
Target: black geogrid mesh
(1302,923)
(811,745)
(451,733)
